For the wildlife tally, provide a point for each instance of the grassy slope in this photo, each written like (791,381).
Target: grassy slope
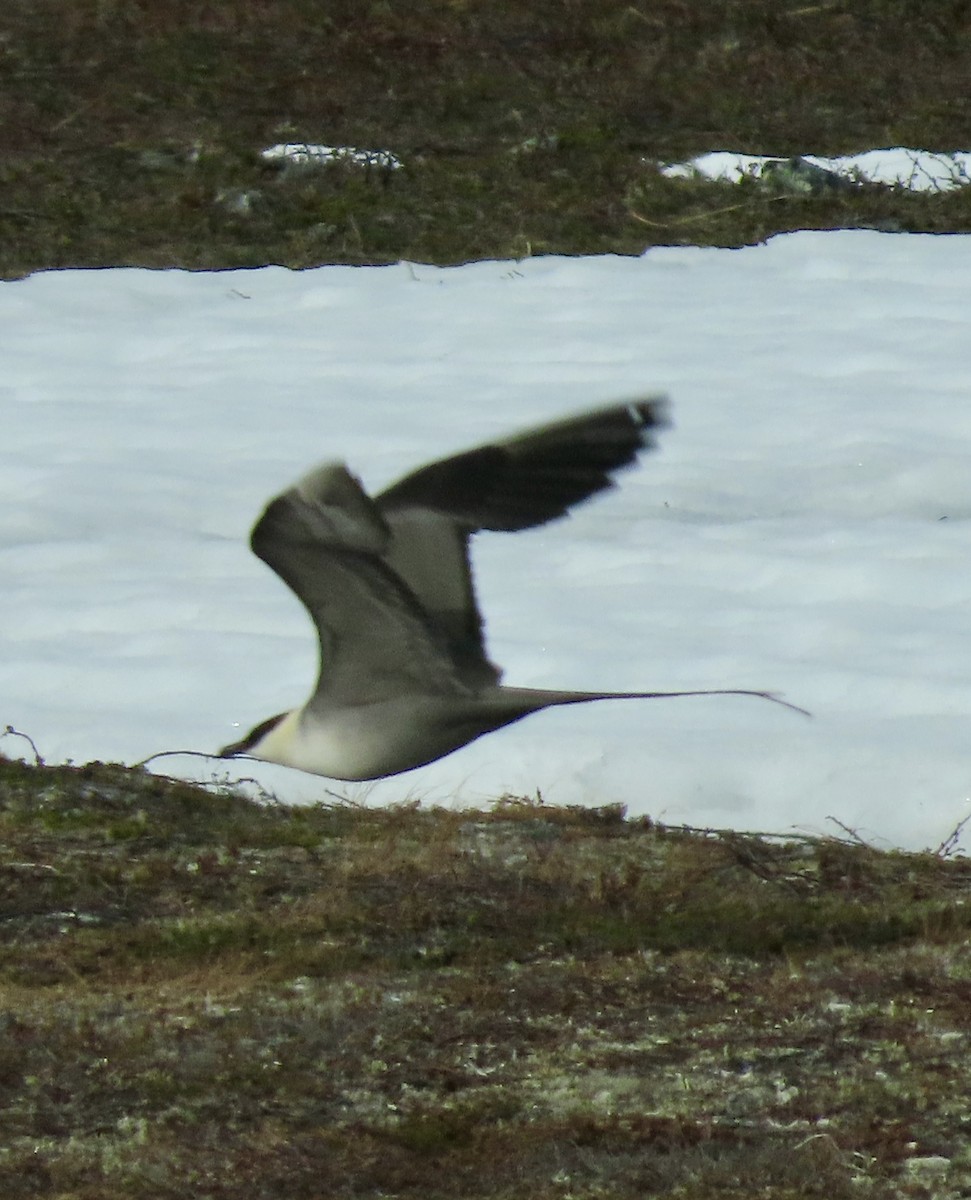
(203,997)
(130,130)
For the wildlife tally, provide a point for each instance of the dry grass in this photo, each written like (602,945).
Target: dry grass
(130,131)
(205,997)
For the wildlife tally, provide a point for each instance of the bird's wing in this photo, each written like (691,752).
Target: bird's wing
(325,538)
(524,481)
(534,477)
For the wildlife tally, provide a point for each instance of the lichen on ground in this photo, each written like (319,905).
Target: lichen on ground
(206,996)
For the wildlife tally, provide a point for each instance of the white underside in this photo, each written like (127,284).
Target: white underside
(373,740)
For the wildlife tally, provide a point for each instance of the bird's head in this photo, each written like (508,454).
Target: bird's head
(265,741)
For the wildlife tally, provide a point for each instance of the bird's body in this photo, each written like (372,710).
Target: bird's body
(404,678)
(387,736)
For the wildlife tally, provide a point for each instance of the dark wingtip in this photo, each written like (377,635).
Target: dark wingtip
(538,475)
(652,412)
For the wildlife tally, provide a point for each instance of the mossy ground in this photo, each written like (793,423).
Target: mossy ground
(203,996)
(131,131)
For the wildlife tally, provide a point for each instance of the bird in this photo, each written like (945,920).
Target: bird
(404,677)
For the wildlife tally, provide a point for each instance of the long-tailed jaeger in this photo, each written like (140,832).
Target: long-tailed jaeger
(404,677)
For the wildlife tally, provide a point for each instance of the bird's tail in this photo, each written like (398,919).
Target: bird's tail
(534,699)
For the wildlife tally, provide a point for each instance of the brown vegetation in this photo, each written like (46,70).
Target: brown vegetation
(131,132)
(203,997)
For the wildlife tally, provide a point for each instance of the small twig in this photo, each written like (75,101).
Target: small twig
(166,753)
(806,839)
(950,842)
(38,761)
(812,10)
(694,218)
(851,833)
(765,863)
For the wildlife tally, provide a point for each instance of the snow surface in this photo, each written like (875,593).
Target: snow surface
(916,170)
(804,527)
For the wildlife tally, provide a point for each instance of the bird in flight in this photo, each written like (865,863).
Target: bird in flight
(404,676)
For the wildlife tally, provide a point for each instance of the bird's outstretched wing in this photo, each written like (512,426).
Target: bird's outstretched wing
(387,581)
(534,477)
(514,484)
(325,538)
